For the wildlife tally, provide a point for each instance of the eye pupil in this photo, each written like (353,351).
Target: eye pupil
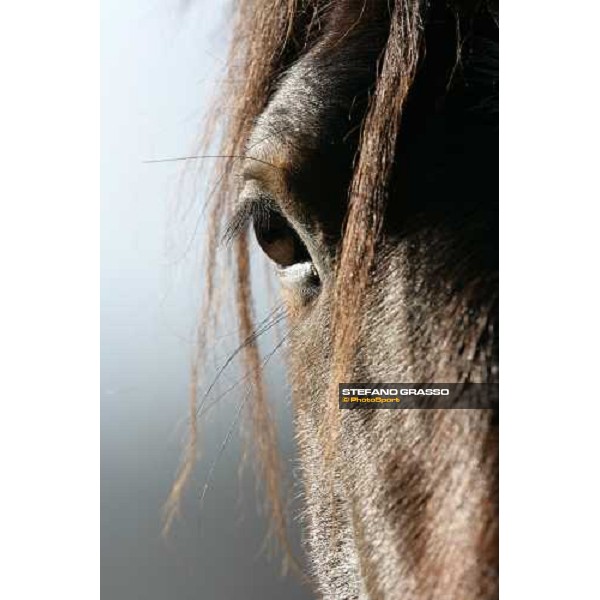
(280,247)
(279,241)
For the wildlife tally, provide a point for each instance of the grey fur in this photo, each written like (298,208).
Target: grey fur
(413,510)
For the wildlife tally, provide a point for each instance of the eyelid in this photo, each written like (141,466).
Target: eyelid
(297,272)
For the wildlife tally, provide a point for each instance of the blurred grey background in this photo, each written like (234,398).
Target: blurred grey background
(160,65)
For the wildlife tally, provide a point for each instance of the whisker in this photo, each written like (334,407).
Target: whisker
(211,472)
(203,156)
(278,314)
(266,360)
(231,429)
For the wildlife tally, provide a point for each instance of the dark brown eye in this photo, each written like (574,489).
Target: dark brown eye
(279,241)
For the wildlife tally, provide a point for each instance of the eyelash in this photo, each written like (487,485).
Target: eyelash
(253,212)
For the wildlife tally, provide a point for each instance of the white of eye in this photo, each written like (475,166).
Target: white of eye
(297,274)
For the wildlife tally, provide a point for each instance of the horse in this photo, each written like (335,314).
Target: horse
(360,143)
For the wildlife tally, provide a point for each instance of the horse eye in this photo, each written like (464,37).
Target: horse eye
(279,240)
